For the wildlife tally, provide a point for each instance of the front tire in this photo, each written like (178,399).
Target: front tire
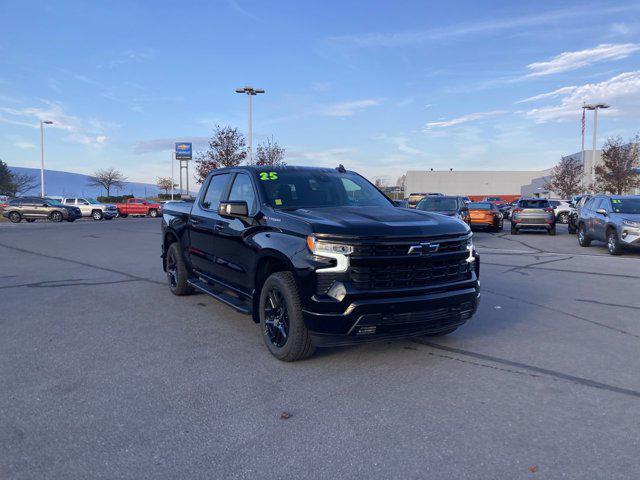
(153,213)
(96,215)
(15,217)
(613,242)
(583,239)
(177,273)
(124,215)
(55,217)
(514,229)
(283,329)
(563,217)
(552,230)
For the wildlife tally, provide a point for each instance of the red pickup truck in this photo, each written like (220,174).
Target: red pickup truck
(138,206)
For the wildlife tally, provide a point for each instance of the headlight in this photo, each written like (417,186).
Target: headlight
(471,250)
(336,251)
(631,223)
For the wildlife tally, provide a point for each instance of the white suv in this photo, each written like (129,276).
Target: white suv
(90,207)
(562,209)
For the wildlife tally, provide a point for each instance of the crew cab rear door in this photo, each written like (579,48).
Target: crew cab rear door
(204,223)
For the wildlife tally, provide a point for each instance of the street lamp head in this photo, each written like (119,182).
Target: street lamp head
(259,90)
(47,122)
(239,90)
(594,106)
(603,105)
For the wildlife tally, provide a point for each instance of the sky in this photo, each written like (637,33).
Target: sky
(380,86)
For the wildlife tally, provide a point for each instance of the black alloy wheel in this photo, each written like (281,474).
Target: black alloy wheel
(276,318)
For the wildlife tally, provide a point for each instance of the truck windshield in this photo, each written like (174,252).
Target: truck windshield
(92,201)
(438,204)
(290,189)
(626,205)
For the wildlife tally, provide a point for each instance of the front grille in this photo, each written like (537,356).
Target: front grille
(401,248)
(388,265)
(324,282)
(408,274)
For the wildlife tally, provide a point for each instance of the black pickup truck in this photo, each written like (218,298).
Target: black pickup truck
(320,257)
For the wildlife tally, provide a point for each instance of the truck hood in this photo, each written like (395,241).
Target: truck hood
(389,221)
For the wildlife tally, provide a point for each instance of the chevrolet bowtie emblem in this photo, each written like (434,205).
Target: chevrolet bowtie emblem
(424,248)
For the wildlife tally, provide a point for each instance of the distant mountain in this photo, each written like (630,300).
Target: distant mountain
(66,184)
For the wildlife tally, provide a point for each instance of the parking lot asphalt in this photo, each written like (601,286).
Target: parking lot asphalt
(105,374)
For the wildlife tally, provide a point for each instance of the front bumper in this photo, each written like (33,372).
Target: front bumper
(110,213)
(373,316)
(630,235)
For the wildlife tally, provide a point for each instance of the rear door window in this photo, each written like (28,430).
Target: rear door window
(215,190)
(69,201)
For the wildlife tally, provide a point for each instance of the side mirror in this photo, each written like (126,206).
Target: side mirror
(602,211)
(234,209)
(44,205)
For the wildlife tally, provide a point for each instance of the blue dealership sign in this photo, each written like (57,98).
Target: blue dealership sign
(183,151)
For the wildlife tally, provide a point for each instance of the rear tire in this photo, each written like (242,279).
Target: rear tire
(15,217)
(563,217)
(583,238)
(552,230)
(514,229)
(613,242)
(55,217)
(124,215)
(96,215)
(283,329)
(153,213)
(177,273)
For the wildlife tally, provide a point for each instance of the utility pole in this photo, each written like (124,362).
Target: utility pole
(42,124)
(250,91)
(595,108)
(173,160)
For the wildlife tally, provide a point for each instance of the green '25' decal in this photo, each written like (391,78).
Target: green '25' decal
(268,176)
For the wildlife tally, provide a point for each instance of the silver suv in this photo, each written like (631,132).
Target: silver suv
(614,219)
(90,207)
(536,213)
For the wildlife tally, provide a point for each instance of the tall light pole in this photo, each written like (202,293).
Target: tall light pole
(250,91)
(42,124)
(595,107)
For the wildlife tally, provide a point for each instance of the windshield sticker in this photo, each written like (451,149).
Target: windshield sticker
(278,201)
(613,200)
(268,176)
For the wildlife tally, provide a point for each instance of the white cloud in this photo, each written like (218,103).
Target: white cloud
(25,145)
(464,119)
(555,93)
(330,157)
(567,61)
(494,25)
(131,56)
(347,109)
(166,144)
(86,132)
(622,91)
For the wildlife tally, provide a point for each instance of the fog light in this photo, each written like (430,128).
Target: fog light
(368,330)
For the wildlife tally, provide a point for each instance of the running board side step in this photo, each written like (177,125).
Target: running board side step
(221,295)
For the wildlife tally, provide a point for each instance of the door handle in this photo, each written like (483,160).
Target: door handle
(218,227)
(194,221)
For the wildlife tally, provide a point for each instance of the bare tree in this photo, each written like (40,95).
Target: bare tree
(226,149)
(566,177)
(380,182)
(619,170)
(165,183)
(270,153)
(108,178)
(23,183)
(401,181)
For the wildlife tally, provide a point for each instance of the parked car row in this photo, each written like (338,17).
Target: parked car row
(614,219)
(70,209)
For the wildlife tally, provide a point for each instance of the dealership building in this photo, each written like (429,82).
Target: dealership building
(508,184)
